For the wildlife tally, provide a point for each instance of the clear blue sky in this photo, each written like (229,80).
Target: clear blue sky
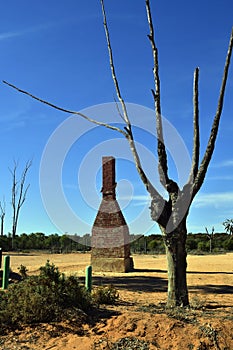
(57,51)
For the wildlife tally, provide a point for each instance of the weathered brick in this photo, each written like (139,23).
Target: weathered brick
(110,233)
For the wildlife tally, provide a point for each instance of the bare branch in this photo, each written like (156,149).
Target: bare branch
(118,110)
(2,214)
(112,66)
(162,155)
(209,235)
(2,208)
(23,197)
(196,130)
(66,110)
(214,131)
(149,187)
(22,192)
(127,134)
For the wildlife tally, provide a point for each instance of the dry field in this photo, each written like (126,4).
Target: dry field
(140,318)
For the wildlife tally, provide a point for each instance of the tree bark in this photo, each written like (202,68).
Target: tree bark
(175,243)
(2,226)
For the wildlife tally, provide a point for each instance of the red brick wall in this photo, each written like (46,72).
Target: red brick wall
(110,233)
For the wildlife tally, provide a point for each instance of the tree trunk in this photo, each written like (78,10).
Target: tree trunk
(175,243)
(2,226)
(13,230)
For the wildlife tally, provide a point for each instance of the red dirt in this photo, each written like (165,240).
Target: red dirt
(140,312)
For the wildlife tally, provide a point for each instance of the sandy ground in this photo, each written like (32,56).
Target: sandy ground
(140,315)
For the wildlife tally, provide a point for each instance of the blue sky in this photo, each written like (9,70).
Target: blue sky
(57,51)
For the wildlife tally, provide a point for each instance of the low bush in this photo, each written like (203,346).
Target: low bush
(23,271)
(105,295)
(43,298)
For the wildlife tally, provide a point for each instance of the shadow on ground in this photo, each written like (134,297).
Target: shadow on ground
(132,283)
(188,272)
(213,289)
(141,283)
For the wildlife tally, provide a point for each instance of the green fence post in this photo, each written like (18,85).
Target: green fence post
(6,272)
(88,280)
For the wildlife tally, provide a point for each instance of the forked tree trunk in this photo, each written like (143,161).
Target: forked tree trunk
(175,243)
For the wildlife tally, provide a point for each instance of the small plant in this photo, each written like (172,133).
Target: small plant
(182,314)
(208,331)
(23,271)
(127,343)
(105,295)
(50,271)
(197,303)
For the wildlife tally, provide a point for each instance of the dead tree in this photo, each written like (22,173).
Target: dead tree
(18,193)
(170,214)
(2,214)
(210,236)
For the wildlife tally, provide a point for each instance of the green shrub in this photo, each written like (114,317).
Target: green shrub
(51,272)
(228,244)
(105,295)
(23,271)
(203,246)
(191,243)
(49,297)
(153,245)
(43,298)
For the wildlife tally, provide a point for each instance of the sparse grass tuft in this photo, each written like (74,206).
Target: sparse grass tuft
(208,331)
(182,314)
(105,295)
(197,303)
(23,271)
(127,343)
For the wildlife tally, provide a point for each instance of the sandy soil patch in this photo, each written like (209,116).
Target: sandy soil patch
(139,318)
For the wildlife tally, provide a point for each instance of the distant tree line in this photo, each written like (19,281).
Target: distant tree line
(53,243)
(196,243)
(153,244)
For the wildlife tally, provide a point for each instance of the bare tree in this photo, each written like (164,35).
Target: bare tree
(18,193)
(170,214)
(210,236)
(2,214)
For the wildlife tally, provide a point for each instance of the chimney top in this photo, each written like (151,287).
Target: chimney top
(108,175)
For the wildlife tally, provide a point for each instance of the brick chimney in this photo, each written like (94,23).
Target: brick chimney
(108,178)
(110,233)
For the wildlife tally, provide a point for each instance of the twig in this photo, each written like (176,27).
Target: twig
(112,66)
(118,110)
